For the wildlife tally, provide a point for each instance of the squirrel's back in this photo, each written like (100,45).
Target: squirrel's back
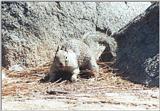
(82,51)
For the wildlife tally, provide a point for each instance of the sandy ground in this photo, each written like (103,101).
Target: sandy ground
(23,91)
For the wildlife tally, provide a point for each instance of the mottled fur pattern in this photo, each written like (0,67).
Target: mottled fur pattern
(100,42)
(73,57)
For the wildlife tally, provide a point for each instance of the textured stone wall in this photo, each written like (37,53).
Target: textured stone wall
(31,31)
(138,47)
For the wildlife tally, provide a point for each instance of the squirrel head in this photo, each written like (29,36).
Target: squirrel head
(65,58)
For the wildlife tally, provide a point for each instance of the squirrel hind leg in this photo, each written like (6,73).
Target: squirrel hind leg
(93,66)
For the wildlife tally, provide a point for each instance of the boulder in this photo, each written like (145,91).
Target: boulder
(115,15)
(31,31)
(138,48)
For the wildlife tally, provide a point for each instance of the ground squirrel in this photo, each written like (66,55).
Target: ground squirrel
(73,58)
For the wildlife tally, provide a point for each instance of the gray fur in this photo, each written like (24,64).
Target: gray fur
(75,57)
(100,43)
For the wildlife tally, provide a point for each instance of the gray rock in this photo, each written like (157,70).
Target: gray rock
(151,66)
(31,31)
(138,47)
(17,68)
(3,75)
(115,15)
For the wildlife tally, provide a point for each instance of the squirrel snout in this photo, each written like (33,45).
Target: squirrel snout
(60,64)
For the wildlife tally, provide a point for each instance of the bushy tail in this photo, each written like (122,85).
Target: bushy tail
(86,35)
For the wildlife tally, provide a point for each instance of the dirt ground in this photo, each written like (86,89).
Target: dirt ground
(23,91)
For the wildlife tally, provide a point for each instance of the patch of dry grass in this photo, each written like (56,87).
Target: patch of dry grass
(22,86)
(27,82)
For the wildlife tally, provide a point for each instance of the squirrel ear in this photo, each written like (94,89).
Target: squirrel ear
(56,52)
(57,49)
(65,49)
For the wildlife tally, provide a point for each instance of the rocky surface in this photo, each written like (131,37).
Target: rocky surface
(116,15)
(138,47)
(31,31)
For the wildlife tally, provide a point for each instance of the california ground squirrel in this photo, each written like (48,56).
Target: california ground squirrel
(73,57)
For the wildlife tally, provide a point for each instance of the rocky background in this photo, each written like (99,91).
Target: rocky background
(31,32)
(138,52)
